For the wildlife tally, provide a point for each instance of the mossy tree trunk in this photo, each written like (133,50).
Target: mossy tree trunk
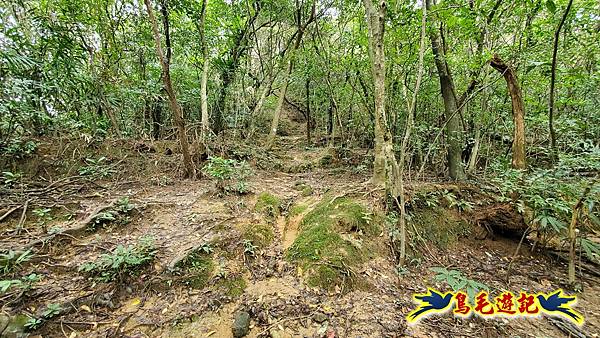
(385,171)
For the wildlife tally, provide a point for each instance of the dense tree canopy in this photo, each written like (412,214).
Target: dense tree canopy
(92,66)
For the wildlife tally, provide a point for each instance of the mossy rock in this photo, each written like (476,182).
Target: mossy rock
(439,226)
(268,204)
(334,238)
(326,160)
(299,167)
(304,188)
(261,235)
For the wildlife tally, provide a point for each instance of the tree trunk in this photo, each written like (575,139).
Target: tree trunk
(412,105)
(472,166)
(280,100)
(190,170)
(451,107)
(301,28)
(552,83)
(573,233)
(385,167)
(308,124)
(518,110)
(203,82)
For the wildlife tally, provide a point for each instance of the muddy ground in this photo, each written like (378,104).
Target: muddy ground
(184,216)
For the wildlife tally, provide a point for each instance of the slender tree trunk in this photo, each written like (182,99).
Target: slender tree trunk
(203,82)
(190,170)
(290,65)
(409,125)
(308,124)
(573,233)
(385,167)
(474,152)
(518,110)
(552,83)
(451,107)
(280,100)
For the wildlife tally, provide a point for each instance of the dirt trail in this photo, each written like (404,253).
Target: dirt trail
(188,214)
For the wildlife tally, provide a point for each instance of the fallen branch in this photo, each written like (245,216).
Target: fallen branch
(23,215)
(9,212)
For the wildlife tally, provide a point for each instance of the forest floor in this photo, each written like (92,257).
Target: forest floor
(186,217)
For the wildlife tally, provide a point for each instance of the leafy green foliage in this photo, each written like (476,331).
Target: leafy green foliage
(550,194)
(428,199)
(249,247)
(591,249)
(117,214)
(458,282)
(124,206)
(9,179)
(51,310)
(454,202)
(96,168)
(230,174)
(19,149)
(122,261)
(12,260)
(34,323)
(8,283)
(23,284)
(43,215)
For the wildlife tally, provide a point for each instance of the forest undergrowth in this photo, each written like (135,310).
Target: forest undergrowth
(298,239)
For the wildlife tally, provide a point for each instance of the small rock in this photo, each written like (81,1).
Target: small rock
(319,317)
(241,324)
(16,327)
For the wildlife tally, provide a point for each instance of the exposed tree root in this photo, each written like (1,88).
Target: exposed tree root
(74,231)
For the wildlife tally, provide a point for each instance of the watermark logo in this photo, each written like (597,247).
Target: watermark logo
(506,304)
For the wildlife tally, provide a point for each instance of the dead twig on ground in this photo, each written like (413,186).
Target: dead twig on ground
(23,216)
(9,212)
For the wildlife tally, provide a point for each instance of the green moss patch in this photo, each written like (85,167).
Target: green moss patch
(304,188)
(334,239)
(268,205)
(197,269)
(261,235)
(297,209)
(233,287)
(439,226)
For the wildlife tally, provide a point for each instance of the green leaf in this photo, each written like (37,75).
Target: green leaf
(551,6)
